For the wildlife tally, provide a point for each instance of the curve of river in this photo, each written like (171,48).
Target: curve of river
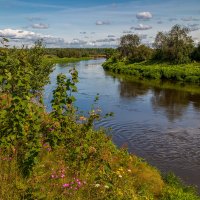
(160,125)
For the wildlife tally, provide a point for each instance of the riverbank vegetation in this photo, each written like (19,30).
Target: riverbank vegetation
(173,57)
(58,155)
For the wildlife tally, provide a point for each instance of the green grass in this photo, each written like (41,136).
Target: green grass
(157,71)
(54,59)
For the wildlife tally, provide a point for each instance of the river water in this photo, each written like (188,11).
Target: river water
(160,125)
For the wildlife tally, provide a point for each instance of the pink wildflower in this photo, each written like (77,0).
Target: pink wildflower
(65,185)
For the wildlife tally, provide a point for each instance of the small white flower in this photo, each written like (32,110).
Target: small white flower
(129,170)
(97,185)
(120,176)
(106,186)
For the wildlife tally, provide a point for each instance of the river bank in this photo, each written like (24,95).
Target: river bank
(188,73)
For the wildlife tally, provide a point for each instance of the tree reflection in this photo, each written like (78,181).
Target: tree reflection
(130,89)
(174,102)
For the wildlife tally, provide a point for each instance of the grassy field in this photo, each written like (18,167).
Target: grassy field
(157,71)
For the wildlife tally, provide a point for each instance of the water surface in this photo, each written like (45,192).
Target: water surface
(160,125)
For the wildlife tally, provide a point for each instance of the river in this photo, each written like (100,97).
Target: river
(160,125)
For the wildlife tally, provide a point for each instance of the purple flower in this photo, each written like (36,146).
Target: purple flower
(65,185)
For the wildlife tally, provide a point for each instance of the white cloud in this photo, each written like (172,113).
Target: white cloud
(144,15)
(99,22)
(106,40)
(29,37)
(40,26)
(142,27)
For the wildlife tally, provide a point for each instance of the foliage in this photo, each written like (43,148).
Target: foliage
(127,44)
(159,71)
(75,52)
(175,46)
(196,53)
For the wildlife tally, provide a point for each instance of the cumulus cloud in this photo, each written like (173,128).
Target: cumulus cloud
(77,42)
(40,26)
(99,22)
(142,27)
(144,15)
(29,37)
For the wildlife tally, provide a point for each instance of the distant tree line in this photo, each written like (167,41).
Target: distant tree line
(175,46)
(76,52)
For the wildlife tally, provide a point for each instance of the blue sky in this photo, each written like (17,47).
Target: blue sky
(79,23)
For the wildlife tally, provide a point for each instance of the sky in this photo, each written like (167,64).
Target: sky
(94,23)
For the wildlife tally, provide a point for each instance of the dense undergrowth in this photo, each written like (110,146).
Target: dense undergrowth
(58,155)
(159,71)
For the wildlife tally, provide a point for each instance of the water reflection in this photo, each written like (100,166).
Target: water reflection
(173,102)
(131,89)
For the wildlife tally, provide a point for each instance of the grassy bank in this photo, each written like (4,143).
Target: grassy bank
(160,84)
(158,71)
(87,165)
(55,59)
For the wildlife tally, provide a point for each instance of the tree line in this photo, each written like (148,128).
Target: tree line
(175,46)
(75,52)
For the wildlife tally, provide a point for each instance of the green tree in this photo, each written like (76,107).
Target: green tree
(196,53)
(127,45)
(175,46)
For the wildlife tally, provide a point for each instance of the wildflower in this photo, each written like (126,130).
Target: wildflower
(62,176)
(82,118)
(65,185)
(79,183)
(129,170)
(52,176)
(97,185)
(106,186)
(120,176)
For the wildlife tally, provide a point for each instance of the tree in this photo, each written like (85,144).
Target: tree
(196,53)
(175,46)
(127,44)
